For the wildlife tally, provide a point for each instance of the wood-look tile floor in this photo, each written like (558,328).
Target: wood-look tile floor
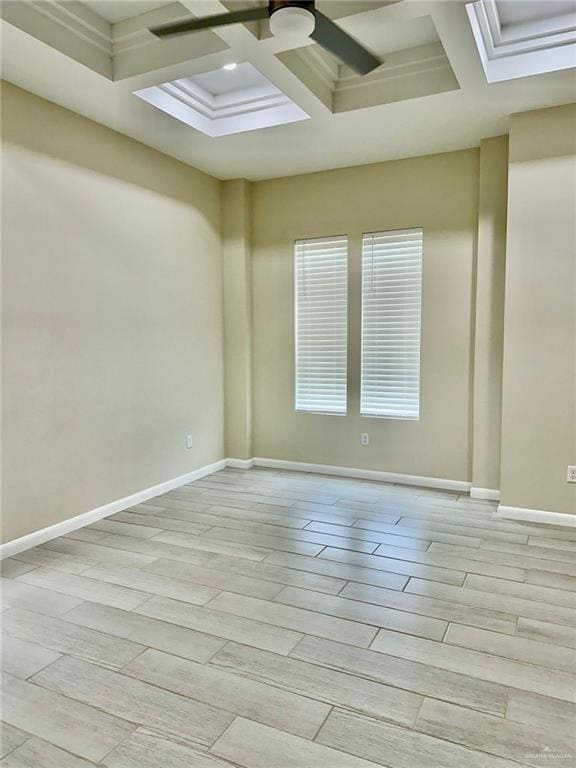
(278,620)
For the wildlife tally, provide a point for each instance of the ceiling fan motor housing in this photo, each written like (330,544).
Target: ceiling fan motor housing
(292,17)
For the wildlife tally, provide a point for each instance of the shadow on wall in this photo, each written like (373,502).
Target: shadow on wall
(95,147)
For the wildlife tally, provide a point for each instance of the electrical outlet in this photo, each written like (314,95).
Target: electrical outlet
(365,439)
(571,474)
(188,441)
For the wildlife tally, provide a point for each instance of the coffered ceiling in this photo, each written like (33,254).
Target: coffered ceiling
(452,73)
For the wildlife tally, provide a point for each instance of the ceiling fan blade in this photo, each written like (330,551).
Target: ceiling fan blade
(192,25)
(336,41)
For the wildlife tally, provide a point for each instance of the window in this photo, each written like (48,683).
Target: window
(391,303)
(321,287)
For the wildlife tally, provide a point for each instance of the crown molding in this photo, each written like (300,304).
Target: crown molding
(69,27)
(522,49)
(222,114)
(410,73)
(116,51)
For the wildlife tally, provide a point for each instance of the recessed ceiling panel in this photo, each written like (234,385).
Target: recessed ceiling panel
(520,39)
(222,102)
(414,64)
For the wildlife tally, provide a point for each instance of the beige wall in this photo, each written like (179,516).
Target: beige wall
(539,386)
(489,326)
(112,306)
(237,265)
(439,193)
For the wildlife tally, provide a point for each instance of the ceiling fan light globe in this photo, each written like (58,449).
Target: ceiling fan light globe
(292,22)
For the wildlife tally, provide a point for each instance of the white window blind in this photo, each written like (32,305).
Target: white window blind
(391,307)
(321,287)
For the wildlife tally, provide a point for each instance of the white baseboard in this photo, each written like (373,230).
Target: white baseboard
(536,516)
(79,521)
(489,494)
(240,463)
(365,474)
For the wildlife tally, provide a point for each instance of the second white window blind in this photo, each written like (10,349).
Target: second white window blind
(391,308)
(321,272)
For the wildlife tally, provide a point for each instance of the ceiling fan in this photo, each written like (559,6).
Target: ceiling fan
(287,18)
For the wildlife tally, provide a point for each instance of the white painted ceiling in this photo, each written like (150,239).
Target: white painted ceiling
(528,10)
(119,10)
(99,81)
(222,81)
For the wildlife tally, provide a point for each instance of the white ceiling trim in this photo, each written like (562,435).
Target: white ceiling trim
(71,28)
(423,70)
(521,50)
(240,110)
(74,19)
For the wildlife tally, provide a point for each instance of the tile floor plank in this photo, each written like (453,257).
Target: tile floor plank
(71,725)
(63,637)
(397,539)
(459,558)
(17,594)
(148,749)
(151,583)
(519,606)
(11,568)
(423,532)
(328,685)
(547,632)
(23,659)
(181,641)
(269,542)
(504,555)
(301,542)
(237,628)
(541,711)
(458,527)
(164,523)
(224,517)
(114,526)
(95,554)
(237,695)
(84,588)
(211,545)
(10,738)
(527,591)
(405,674)
(428,606)
(395,747)
(540,541)
(58,560)
(519,648)
(494,735)
(37,753)
(133,700)
(296,619)
(341,572)
(270,571)
(355,610)
(554,580)
(85,534)
(212,577)
(257,746)
(395,565)
(514,674)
